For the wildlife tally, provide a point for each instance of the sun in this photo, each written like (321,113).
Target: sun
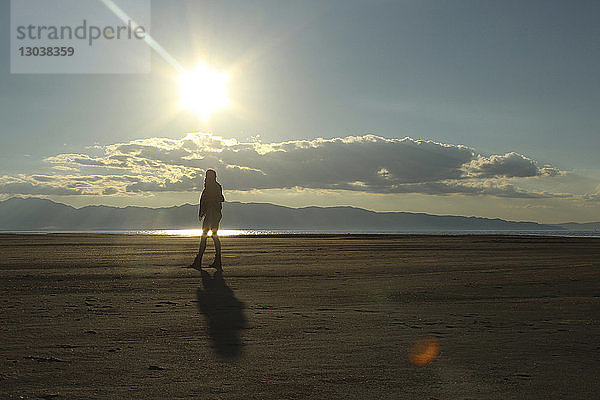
(203,90)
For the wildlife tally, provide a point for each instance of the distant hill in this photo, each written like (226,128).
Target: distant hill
(575,226)
(26,214)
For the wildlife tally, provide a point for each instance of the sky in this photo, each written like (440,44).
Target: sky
(486,108)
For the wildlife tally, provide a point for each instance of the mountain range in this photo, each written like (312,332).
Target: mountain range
(37,214)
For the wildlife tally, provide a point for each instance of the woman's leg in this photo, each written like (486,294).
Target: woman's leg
(215,235)
(201,249)
(217,262)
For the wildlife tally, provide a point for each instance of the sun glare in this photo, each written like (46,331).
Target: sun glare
(203,90)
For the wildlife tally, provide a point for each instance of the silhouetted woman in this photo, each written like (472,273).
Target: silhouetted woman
(210,208)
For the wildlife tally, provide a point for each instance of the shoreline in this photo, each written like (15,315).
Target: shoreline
(325,234)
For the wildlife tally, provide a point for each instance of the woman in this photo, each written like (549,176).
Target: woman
(210,208)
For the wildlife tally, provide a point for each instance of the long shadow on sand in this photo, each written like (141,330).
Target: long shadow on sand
(224,315)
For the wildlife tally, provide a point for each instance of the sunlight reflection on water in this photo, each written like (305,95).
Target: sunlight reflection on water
(198,232)
(246,232)
(193,232)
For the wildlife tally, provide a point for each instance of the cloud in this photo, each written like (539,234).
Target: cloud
(36,189)
(508,165)
(358,163)
(109,190)
(594,197)
(65,184)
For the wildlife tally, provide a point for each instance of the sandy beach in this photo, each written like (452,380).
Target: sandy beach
(307,317)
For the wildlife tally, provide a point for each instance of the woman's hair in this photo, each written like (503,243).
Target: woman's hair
(211,176)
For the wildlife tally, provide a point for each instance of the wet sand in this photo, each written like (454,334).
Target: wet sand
(115,316)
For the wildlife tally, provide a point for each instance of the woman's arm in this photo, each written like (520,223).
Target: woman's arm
(202,206)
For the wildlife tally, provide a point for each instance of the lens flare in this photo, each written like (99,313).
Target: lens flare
(423,351)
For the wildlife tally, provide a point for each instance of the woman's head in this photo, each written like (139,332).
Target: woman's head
(211,176)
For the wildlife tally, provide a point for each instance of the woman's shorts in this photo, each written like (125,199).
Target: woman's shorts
(211,220)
